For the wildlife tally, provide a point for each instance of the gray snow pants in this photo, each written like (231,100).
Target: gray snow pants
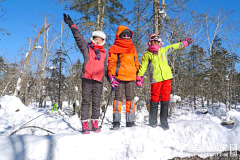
(128,87)
(91,92)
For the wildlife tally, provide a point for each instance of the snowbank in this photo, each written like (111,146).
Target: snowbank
(10,105)
(175,98)
(13,113)
(189,134)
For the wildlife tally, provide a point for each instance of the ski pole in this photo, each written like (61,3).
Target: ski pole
(105,108)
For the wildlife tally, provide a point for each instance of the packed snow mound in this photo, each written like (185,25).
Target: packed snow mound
(13,113)
(232,114)
(217,109)
(197,129)
(189,134)
(175,98)
(11,104)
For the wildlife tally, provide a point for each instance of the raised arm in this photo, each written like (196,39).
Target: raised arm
(174,47)
(82,45)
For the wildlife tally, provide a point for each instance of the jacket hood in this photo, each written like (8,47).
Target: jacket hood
(120,30)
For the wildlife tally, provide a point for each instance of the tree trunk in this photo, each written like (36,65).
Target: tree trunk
(26,101)
(42,71)
(60,71)
(102,15)
(26,62)
(98,15)
(156,16)
(161,18)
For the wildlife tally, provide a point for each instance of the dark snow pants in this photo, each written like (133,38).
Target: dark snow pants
(91,92)
(128,87)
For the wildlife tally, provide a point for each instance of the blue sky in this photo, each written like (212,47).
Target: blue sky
(22,14)
(19,18)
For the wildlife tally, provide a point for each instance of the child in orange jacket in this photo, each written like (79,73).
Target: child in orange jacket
(123,66)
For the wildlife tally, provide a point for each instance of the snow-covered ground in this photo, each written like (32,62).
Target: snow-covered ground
(190,133)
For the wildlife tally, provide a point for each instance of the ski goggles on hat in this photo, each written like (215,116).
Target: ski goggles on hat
(155,38)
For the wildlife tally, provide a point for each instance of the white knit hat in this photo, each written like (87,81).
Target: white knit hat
(100,34)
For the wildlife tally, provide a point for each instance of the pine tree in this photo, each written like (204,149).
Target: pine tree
(57,78)
(97,13)
(220,65)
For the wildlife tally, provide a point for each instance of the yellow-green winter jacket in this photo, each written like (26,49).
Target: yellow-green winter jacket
(159,68)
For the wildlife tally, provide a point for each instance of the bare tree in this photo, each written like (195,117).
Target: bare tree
(26,62)
(2,14)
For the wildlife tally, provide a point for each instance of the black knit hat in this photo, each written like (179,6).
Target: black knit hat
(126,32)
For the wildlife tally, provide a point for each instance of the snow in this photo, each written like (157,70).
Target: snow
(52,67)
(27,54)
(18,83)
(189,134)
(175,98)
(76,88)
(232,115)
(38,47)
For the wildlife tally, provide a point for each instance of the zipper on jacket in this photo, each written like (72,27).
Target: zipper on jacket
(160,68)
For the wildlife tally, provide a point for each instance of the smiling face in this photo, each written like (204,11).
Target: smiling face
(98,40)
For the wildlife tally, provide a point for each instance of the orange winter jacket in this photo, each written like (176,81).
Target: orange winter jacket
(123,59)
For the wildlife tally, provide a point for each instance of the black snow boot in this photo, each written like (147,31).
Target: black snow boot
(164,115)
(153,114)
(130,124)
(116,125)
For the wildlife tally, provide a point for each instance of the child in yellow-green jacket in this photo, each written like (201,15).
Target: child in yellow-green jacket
(160,76)
(55,106)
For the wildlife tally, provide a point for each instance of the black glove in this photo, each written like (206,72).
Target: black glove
(67,19)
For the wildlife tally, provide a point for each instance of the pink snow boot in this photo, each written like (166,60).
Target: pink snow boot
(85,128)
(95,127)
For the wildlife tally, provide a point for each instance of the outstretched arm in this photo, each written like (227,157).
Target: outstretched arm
(174,47)
(82,45)
(187,42)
